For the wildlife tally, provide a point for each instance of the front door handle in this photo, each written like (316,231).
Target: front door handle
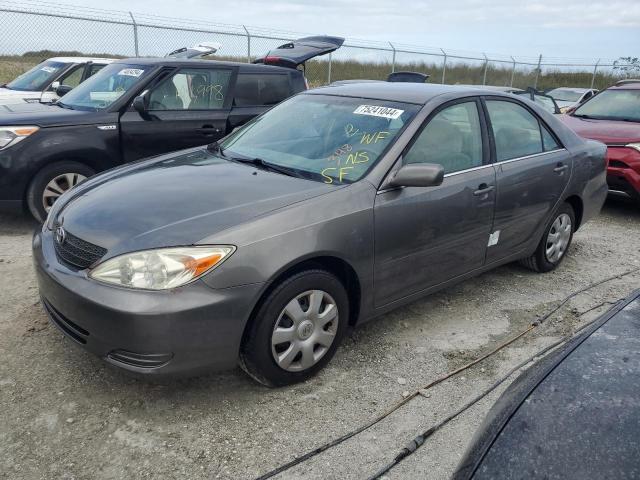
(209,130)
(483,189)
(560,167)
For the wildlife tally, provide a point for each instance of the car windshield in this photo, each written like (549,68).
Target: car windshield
(565,94)
(614,104)
(38,78)
(105,87)
(326,138)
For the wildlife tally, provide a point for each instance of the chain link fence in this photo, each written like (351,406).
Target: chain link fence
(33,30)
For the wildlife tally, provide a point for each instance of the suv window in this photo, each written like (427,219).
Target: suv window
(261,89)
(73,77)
(191,89)
(94,68)
(452,138)
(515,129)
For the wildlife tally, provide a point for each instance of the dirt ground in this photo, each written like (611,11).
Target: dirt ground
(64,414)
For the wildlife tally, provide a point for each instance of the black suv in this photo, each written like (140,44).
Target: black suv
(136,108)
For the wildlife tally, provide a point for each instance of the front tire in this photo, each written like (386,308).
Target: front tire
(51,182)
(555,241)
(297,329)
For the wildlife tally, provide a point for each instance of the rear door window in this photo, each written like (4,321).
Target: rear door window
(255,89)
(516,130)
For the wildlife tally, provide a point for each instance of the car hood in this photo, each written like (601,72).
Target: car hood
(564,103)
(46,115)
(607,131)
(178,199)
(8,96)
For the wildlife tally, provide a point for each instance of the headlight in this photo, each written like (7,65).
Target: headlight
(160,269)
(635,146)
(12,135)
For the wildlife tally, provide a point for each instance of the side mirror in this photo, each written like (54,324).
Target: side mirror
(140,104)
(62,90)
(54,86)
(417,175)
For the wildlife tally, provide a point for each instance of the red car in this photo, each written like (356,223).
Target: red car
(613,117)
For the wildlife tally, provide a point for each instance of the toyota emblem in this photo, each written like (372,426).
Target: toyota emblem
(61,235)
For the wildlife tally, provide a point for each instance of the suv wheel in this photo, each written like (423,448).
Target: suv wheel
(555,241)
(51,182)
(297,329)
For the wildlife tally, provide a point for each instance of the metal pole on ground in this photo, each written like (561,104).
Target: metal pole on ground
(513,71)
(486,64)
(535,82)
(393,58)
(135,34)
(593,77)
(248,44)
(444,65)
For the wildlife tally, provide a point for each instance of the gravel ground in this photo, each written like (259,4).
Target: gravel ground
(65,414)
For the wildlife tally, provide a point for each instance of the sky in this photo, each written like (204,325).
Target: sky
(554,28)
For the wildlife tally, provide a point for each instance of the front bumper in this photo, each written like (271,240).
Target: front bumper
(623,171)
(185,331)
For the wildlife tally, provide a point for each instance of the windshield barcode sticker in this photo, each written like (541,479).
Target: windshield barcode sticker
(378,111)
(131,72)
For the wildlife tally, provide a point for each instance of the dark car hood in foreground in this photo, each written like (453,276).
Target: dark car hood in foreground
(46,115)
(177,200)
(611,132)
(575,415)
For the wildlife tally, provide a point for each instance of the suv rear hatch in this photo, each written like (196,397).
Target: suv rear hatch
(299,51)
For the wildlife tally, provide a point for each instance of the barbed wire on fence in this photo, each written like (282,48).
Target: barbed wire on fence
(90,30)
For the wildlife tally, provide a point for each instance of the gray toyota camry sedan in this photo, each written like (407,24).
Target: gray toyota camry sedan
(334,207)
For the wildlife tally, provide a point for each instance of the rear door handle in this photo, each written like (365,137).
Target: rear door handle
(560,168)
(483,189)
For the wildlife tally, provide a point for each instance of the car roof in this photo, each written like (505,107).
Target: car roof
(631,84)
(178,62)
(496,88)
(82,59)
(419,93)
(573,89)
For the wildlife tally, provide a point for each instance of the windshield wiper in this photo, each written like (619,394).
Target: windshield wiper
(63,105)
(259,162)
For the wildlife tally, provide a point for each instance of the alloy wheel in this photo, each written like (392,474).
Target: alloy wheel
(558,238)
(57,186)
(305,330)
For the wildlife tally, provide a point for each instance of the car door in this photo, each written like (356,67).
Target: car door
(427,235)
(256,92)
(184,108)
(532,171)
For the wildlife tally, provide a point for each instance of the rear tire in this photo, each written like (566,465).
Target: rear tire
(555,241)
(51,182)
(296,329)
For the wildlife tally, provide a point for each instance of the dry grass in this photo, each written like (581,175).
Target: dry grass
(317,72)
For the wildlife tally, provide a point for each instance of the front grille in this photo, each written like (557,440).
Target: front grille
(77,252)
(72,330)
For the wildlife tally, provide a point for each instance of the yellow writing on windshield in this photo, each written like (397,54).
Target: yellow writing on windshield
(330,172)
(374,137)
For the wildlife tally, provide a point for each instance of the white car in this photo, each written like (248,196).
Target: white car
(46,81)
(567,98)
